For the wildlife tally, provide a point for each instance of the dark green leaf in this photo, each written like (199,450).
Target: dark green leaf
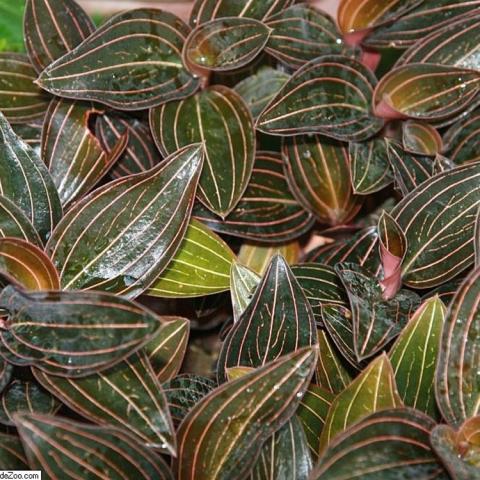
(30,133)
(243,283)
(462,139)
(277,321)
(421,138)
(331,96)
(227,414)
(143,43)
(220,118)
(127,395)
(317,170)
(72,334)
(267,212)
(123,235)
(6,370)
(25,180)
(53,28)
(70,450)
(12,455)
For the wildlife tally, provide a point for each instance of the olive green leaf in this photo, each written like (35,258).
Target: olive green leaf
(25,180)
(72,334)
(27,264)
(277,321)
(312,412)
(301,33)
(257,256)
(421,138)
(458,374)
(376,320)
(258,90)
(317,168)
(53,28)
(387,445)
(285,455)
(184,392)
(236,372)
(438,220)
(425,91)
(373,390)
(25,396)
(370,168)
(200,267)
(267,212)
(331,374)
(11,15)
(14,223)
(243,414)
(225,43)
(6,370)
(414,357)
(321,285)
(68,449)
(20,99)
(459,450)
(12,455)
(73,155)
(140,153)
(331,96)
(167,347)
(205,10)
(123,235)
(427,16)
(127,395)
(95,70)
(243,283)
(462,139)
(219,117)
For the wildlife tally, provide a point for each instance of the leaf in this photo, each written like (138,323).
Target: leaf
(218,117)
(329,96)
(184,392)
(421,138)
(331,374)
(458,450)
(6,370)
(27,264)
(14,223)
(21,100)
(277,321)
(200,267)
(243,283)
(414,356)
(301,33)
(25,180)
(284,455)
(60,446)
(316,170)
(127,396)
(458,376)
(372,391)
(30,133)
(95,70)
(370,169)
(258,90)
(205,10)
(72,334)
(236,372)
(53,28)
(243,414)
(225,43)
(425,91)
(267,212)
(122,236)
(312,412)
(257,256)
(140,153)
(166,349)
(73,155)
(442,164)
(386,445)
(321,286)
(25,396)
(438,220)
(11,453)
(376,320)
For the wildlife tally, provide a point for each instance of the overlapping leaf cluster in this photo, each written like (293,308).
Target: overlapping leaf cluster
(306,193)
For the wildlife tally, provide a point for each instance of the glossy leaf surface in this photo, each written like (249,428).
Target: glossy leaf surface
(421,138)
(257,257)
(11,453)
(243,283)
(462,139)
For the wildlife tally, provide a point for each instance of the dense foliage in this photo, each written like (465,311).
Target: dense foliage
(247,247)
